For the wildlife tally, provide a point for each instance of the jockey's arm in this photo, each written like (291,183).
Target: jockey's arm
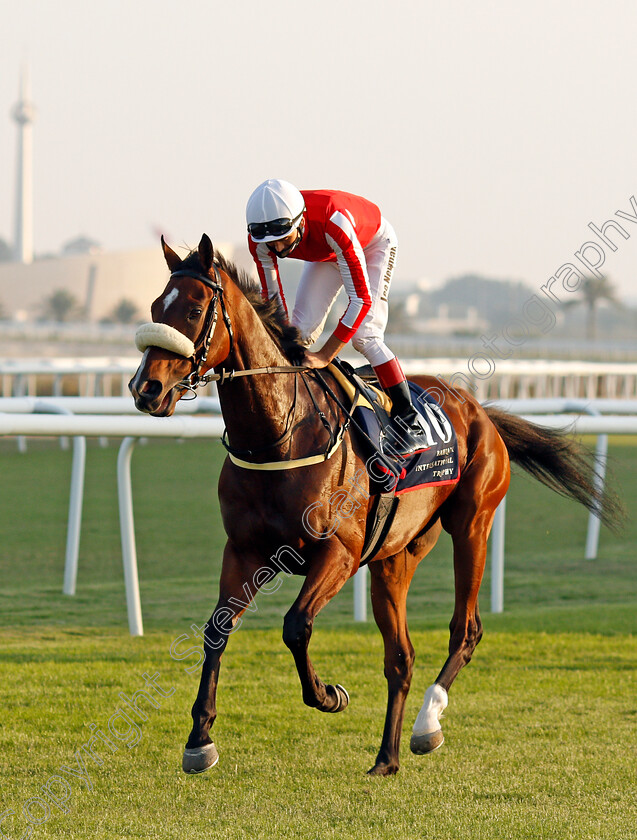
(268,271)
(350,259)
(324,356)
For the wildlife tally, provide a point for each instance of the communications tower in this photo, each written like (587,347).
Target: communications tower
(24,113)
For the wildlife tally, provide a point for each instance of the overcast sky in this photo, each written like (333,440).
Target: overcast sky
(490,133)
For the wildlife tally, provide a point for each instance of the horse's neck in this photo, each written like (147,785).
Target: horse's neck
(255,408)
(254,347)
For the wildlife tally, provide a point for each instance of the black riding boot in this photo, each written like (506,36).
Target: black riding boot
(404,435)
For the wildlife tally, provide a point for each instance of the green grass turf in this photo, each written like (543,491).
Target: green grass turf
(540,732)
(540,740)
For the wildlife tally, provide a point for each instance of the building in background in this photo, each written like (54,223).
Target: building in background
(98,281)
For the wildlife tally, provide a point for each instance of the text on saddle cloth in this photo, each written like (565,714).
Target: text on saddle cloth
(437,464)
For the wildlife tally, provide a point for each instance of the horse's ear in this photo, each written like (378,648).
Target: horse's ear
(170,256)
(206,253)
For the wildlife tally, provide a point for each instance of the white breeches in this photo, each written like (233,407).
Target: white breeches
(321,282)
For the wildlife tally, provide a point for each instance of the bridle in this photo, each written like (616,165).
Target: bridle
(195,378)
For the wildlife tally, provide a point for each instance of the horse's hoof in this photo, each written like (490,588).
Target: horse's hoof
(423,744)
(342,698)
(383,770)
(199,759)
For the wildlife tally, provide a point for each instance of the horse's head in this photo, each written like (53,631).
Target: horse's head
(189,333)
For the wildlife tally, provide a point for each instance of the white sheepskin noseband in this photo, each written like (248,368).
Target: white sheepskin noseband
(161,335)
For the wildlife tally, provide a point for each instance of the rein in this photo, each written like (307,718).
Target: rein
(229,375)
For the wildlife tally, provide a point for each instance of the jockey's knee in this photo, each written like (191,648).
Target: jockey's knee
(365,344)
(373,348)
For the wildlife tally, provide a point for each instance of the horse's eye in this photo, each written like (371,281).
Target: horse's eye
(195,313)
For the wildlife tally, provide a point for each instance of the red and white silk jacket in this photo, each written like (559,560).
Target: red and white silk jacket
(338,226)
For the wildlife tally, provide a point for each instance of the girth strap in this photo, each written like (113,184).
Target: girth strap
(382,516)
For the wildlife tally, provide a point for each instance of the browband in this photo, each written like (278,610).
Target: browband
(213,284)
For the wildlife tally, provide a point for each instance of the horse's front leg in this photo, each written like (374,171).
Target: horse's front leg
(329,569)
(238,584)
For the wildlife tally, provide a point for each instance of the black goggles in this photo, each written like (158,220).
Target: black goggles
(278,228)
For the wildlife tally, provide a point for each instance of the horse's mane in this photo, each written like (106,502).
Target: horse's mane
(271,313)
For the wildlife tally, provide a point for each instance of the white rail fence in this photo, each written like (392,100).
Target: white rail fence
(528,378)
(87,377)
(53,417)
(44,423)
(505,379)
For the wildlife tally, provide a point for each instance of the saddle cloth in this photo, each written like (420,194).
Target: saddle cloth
(435,465)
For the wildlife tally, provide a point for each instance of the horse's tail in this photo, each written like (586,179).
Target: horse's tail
(558,461)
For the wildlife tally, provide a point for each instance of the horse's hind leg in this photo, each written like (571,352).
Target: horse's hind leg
(390,581)
(328,571)
(468,518)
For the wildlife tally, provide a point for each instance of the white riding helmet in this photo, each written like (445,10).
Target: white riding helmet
(274,210)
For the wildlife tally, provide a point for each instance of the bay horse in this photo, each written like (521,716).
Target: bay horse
(211,316)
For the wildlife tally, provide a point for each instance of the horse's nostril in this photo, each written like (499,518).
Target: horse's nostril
(151,388)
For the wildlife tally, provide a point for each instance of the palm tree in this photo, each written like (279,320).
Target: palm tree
(593,291)
(125,312)
(60,306)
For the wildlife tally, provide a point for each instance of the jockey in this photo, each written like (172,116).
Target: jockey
(344,241)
